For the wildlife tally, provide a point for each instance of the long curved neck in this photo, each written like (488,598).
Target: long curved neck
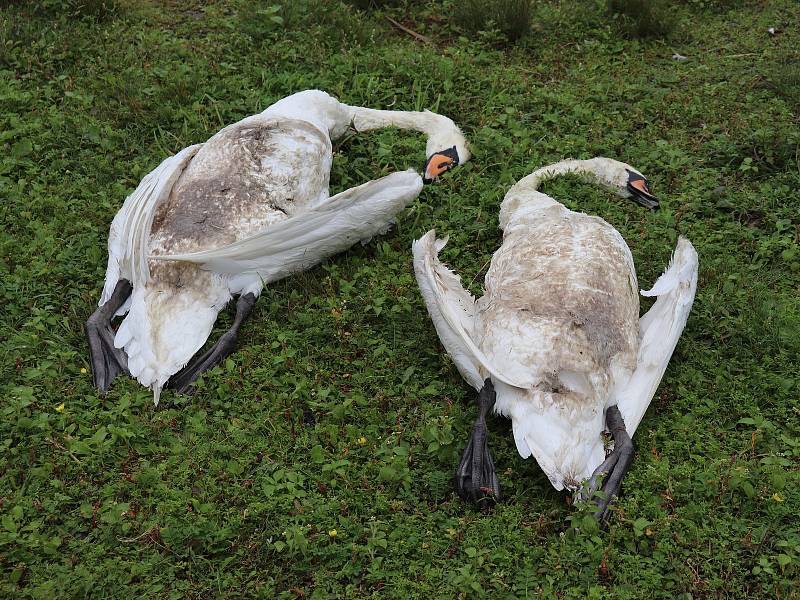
(332,116)
(525,194)
(441,131)
(595,168)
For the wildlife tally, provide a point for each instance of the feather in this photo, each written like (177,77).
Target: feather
(166,327)
(130,230)
(452,309)
(660,329)
(439,286)
(564,448)
(305,240)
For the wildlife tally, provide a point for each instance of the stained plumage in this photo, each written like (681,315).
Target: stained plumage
(557,334)
(223,218)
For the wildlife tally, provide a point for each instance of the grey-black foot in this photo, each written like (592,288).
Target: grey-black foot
(476,477)
(107,361)
(613,468)
(183,381)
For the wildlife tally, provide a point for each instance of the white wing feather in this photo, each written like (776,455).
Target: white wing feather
(130,229)
(304,240)
(452,310)
(659,331)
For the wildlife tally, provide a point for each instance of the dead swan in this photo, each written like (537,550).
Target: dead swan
(246,208)
(556,343)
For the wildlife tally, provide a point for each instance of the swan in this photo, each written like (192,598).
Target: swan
(249,206)
(556,343)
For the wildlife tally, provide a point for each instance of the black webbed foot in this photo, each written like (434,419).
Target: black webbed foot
(107,361)
(476,477)
(613,469)
(183,381)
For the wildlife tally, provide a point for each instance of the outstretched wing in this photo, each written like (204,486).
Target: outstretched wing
(304,240)
(452,310)
(659,331)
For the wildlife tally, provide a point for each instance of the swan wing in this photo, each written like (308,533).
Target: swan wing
(130,229)
(659,331)
(304,240)
(453,312)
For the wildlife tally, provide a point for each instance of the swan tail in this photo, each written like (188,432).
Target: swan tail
(566,449)
(305,240)
(164,328)
(130,230)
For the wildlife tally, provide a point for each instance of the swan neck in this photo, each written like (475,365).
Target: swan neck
(594,169)
(441,132)
(524,195)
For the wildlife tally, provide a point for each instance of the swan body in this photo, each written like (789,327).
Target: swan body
(249,206)
(557,330)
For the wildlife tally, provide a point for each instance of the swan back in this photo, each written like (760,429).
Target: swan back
(561,300)
(246,177)
(560,310)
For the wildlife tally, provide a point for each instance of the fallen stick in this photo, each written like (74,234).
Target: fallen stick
(60,447)
(410,32)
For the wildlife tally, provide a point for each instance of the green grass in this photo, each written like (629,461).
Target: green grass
(229,493)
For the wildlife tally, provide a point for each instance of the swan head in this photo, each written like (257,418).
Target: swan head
(637,189)
(440,162)
(446,147)
(624,180)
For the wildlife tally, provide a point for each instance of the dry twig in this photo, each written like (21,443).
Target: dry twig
(410,32)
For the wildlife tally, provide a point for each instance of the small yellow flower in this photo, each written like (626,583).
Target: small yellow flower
(778,497)
(425,545)
(649,532)
(60,407)
(83,371)
(333,533)
(362,440)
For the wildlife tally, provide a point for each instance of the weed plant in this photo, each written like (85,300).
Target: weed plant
(93,9)
(379,4)
(783,77)
(512,18)
(644,18)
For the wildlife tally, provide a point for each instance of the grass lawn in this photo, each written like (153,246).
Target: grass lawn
(238,491)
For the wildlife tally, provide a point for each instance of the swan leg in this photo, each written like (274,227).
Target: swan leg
(183,381)
(476,477)
(613,468)
(107,361)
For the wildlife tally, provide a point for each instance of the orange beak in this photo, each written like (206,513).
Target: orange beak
(437,164)
(640,193)
(640,185)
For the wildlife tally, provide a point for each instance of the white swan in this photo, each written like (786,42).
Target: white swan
(246,208)
(557,339)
